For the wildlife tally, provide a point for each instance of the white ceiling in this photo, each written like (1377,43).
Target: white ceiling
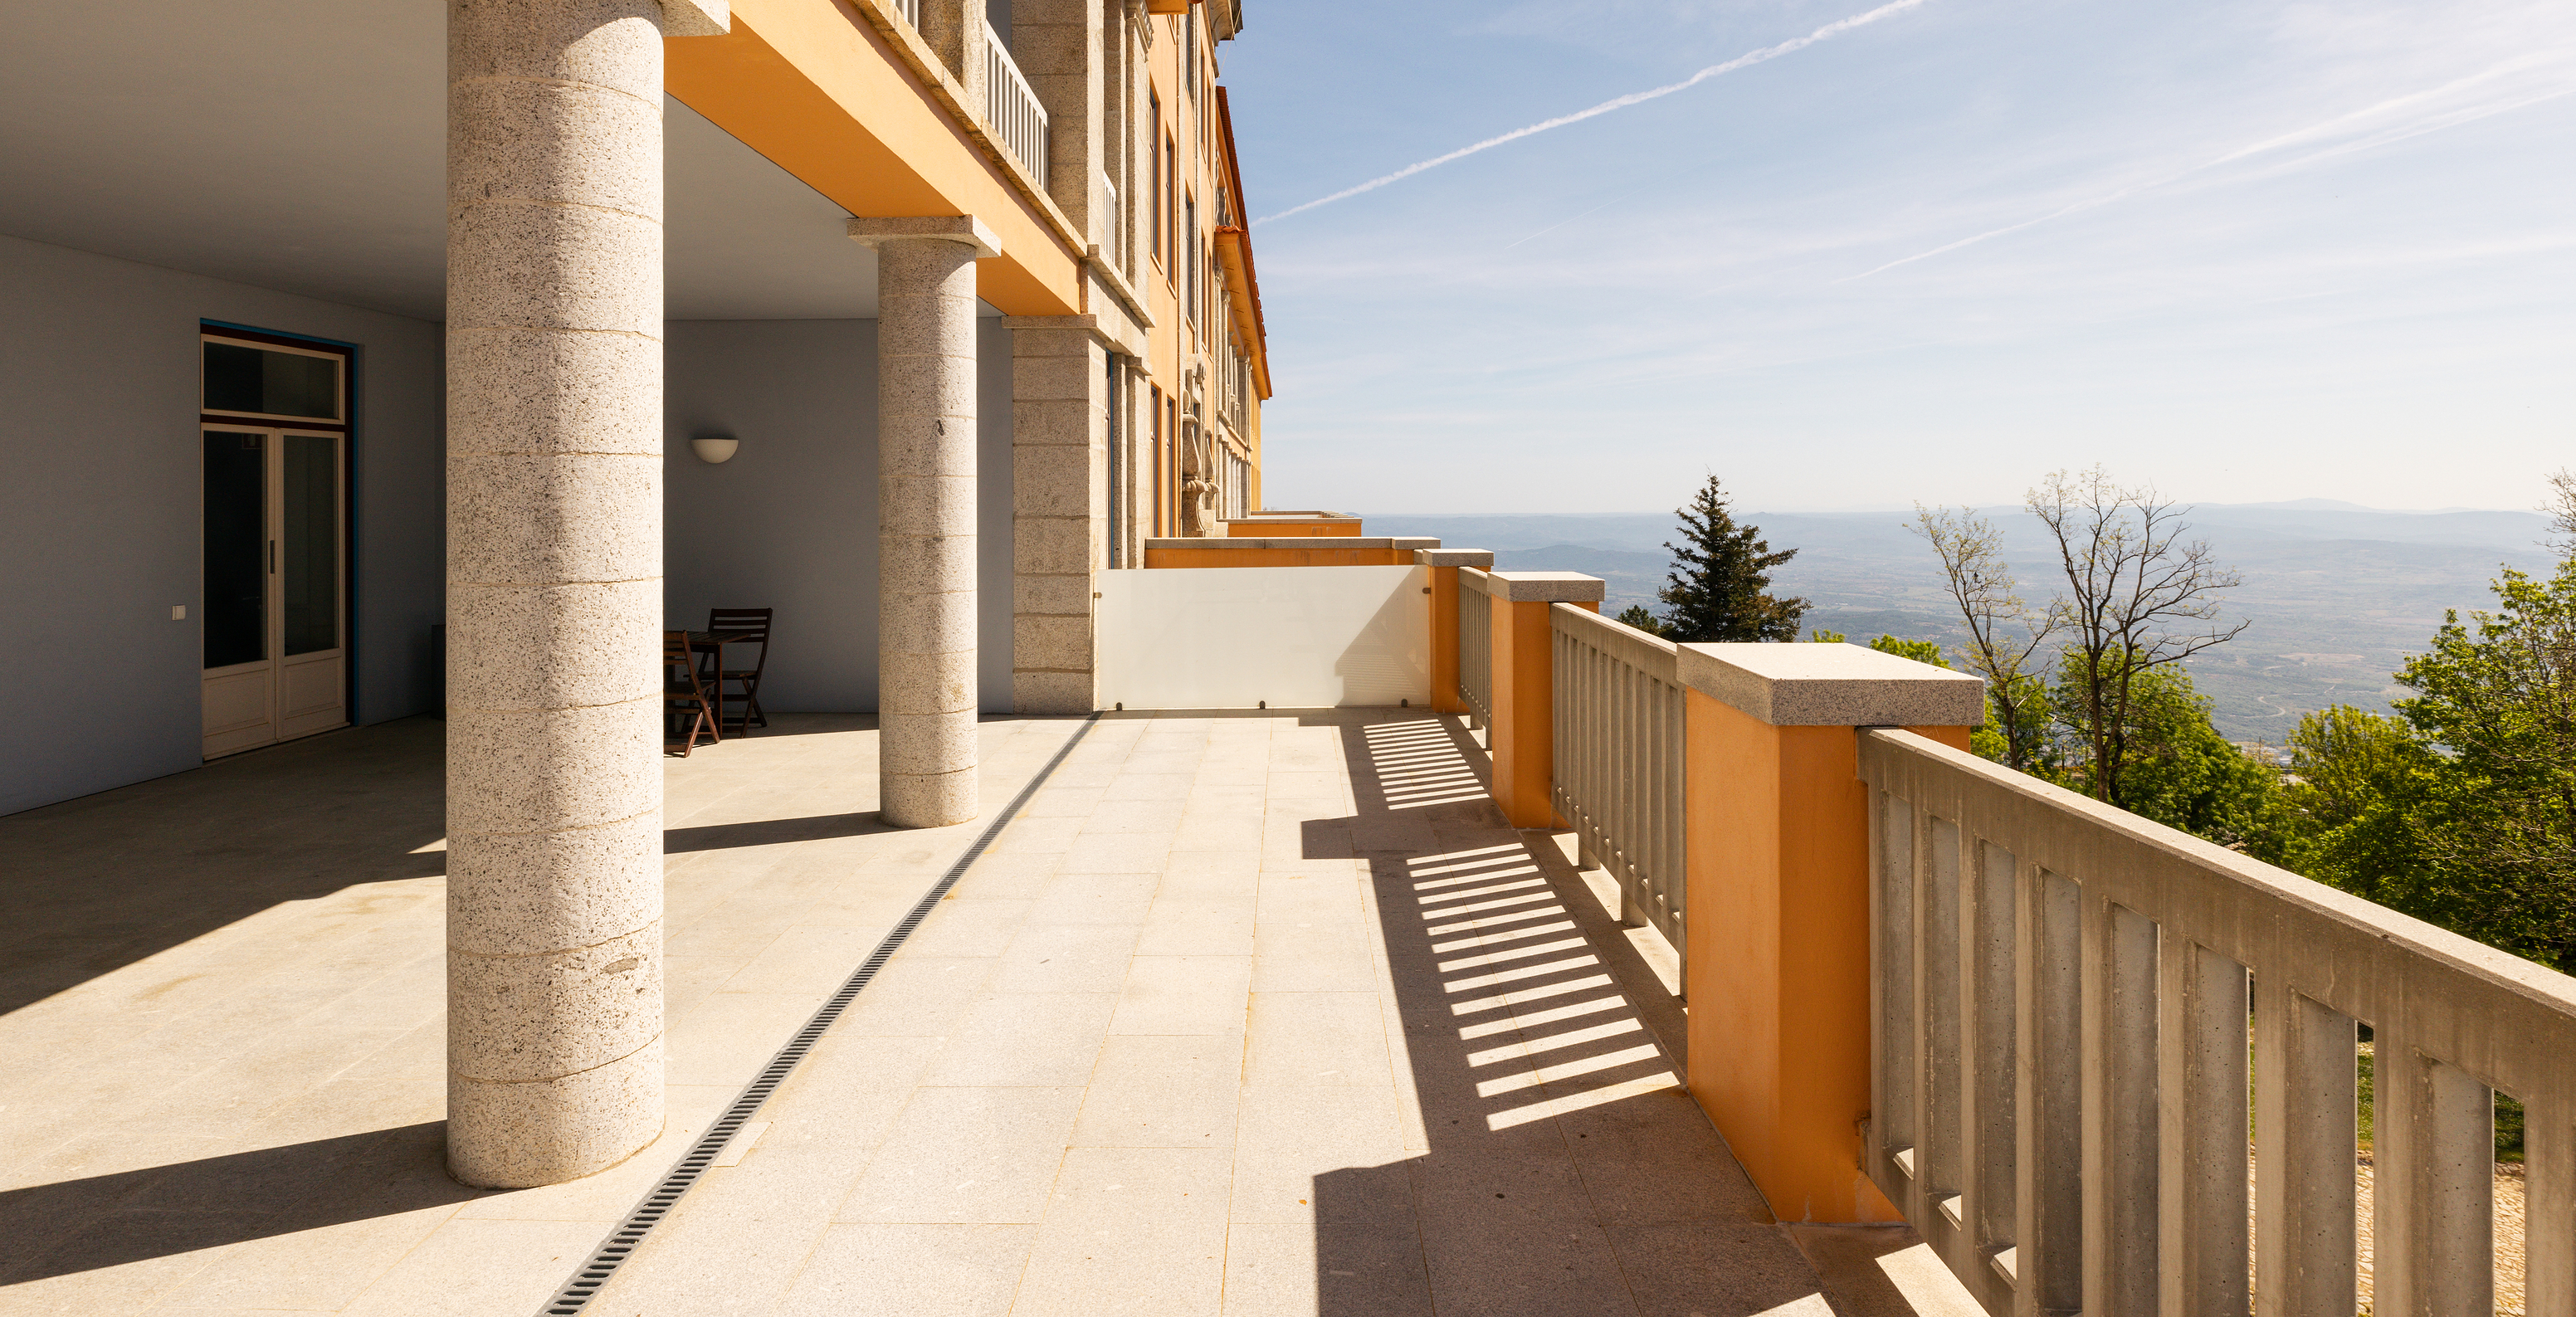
(300,145)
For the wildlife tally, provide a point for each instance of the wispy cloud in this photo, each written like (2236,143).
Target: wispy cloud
(1746,60)
(2373,121)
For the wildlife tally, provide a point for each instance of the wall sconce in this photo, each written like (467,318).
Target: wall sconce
(714,449)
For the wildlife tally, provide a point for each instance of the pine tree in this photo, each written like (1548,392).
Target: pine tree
(1716,591)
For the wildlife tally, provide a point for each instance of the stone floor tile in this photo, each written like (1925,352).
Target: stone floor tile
(1367,1270)
(806,961)
(1133,1231)
(1733,1268)
(1026,1039)
(917,996)
(910,1271)
(730,1035)
(474,1268)
(1211,873)
(1515,1266)
(1312,957)
(1183,995)
(1154,813)
(1316,1040)
(1309,898)
(1067,958)
(1037,836)
(967,1156)
(1062,802)
(1163,1091)
(1305,1154)
(963,925)
(1118,852)
(1096,898)
(1007,877)
(1197,926)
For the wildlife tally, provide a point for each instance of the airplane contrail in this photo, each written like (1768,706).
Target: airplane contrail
(2312,132)
(1827,32)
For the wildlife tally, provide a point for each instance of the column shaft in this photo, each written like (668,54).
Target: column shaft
(926,688)
(554,592)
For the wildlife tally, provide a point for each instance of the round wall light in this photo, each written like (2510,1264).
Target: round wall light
(715,448)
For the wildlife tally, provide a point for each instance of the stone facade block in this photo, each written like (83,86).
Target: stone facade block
(1054,693)
(537,391)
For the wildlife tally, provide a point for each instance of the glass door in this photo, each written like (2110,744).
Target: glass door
(276,595)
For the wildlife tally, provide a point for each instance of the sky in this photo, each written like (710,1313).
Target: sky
(1922,251)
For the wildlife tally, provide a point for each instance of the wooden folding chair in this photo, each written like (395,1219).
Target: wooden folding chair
(740,626)
(687,712)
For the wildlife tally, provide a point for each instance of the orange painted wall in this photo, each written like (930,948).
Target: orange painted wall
(1213,556)
(1280,530)
(1777,966)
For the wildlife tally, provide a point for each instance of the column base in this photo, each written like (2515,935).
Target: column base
(522,1136)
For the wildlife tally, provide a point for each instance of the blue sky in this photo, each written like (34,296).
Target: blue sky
(2247,251)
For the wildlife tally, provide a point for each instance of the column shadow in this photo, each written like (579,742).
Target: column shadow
(1568,1171)
(109,1220)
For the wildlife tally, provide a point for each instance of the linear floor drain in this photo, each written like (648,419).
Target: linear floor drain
(623,1241)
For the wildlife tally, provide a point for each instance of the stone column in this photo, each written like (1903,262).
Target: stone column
(1059,507)
(926,690)
(554,591)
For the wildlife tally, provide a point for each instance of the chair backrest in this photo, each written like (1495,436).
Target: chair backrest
(739,621)
(678,652)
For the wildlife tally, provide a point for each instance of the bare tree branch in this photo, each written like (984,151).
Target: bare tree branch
(2560,508)
(2133,587)
(2003,632)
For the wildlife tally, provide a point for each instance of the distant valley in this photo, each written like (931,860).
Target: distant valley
(2338,595)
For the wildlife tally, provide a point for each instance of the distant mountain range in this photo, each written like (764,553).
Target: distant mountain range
(2338,594)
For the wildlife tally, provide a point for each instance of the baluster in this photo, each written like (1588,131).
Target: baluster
(2433,1186)
(1992,1150)
(2549,1200)
(1892,1106)
(2048,1230)
(2120,1124)
(2203,1139)
(2303,1158)
(1939,938)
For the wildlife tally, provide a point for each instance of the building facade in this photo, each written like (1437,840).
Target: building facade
(457,291)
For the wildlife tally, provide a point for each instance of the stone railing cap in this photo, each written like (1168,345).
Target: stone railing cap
(868,231)
(1454,557)
(1803,684)
(1545,587)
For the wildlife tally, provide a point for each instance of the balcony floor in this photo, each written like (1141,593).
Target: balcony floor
(1243,1014)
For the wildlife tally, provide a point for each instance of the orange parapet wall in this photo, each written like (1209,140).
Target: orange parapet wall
(1777,966)
(1292,526)
(1284,551)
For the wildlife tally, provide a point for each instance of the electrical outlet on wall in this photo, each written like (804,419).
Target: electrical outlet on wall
(178,612)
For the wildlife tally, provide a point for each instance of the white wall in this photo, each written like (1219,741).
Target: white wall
(1235,637)
(101,474)
(790,522)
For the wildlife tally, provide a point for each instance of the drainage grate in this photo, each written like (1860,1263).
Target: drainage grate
(629,1234)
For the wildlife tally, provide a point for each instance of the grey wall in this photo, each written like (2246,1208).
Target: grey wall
(790,522)
(100,475)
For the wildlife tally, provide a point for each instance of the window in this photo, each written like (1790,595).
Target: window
(1190,226)
(1171,195)
(1162,495)
(1160,150)
(1189,52)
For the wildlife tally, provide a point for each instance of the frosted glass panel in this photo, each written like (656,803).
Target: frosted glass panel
(1232,637)
(310,529)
